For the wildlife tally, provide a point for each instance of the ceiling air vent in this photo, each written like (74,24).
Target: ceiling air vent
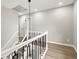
(19,8)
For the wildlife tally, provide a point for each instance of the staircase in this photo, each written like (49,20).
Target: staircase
(34,48)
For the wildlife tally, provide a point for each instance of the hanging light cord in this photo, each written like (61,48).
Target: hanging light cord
(29,8)
(29,17)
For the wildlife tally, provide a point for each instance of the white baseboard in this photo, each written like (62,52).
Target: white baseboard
(69,45)
(74,48)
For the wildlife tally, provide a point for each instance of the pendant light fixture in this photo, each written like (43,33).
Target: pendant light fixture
(29,8)
(29,22)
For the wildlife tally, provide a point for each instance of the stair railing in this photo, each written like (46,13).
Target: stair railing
(38,48)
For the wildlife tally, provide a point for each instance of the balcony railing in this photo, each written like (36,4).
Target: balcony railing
(34,48)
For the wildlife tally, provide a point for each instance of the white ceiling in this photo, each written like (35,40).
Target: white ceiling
(36,4)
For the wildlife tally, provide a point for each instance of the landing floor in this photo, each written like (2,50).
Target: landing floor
(60,52)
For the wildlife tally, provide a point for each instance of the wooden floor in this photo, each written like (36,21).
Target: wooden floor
(60,52)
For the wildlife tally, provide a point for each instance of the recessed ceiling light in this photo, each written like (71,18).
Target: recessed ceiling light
(35,9)
(60,3)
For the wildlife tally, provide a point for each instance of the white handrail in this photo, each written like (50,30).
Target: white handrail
(10,40)
(24,38)
(14,48)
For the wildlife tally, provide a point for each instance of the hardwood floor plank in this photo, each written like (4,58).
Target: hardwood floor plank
(60,52)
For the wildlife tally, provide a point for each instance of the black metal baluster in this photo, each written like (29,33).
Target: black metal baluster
(36,48)
(23,52)
(17,55)
(27,51)
(41,45)
(45,41)
(40,48)
(32,50)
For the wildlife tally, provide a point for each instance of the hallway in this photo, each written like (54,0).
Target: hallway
(39,29)
(60,52)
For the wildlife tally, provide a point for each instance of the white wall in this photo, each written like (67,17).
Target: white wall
(9,24)
(58,22)
(75,24)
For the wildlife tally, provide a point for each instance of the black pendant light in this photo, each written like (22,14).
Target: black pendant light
(29,17)
(29,0)
(29,8)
